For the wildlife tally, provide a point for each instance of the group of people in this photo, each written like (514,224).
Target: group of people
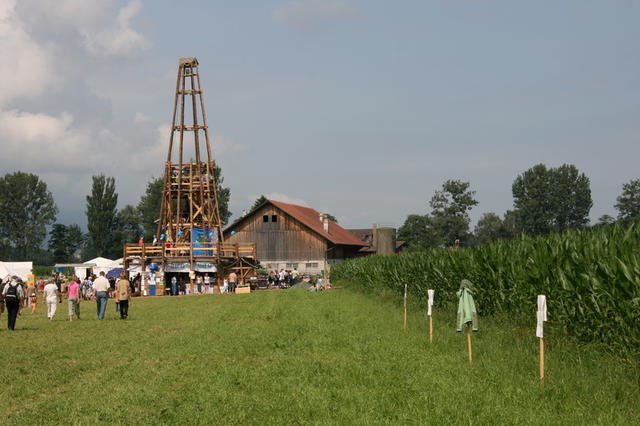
(283,279)
(15,296)
(178,286)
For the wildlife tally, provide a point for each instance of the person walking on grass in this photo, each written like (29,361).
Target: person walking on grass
(123,295)
(32,297)
(73,298)
(199,284)
(233,278)
(101,289)
(52,297)
(13,295)
(207,283)
(174,286)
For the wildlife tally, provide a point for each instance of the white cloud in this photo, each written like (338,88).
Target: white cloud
(26,66)
(307,15)
(140,117)
(40,141)
(97,26)
(280,197)
(223,145)
(118,38)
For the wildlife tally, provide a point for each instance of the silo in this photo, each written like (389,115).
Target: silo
(386,240)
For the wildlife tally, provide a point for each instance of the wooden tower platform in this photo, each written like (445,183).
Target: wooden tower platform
(189,225)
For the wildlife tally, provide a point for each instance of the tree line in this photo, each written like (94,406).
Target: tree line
(29,217)
(545,200)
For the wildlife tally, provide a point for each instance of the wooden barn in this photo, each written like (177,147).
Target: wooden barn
(288,236)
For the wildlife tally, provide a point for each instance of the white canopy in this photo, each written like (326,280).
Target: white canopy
(21,269)
(4,271)
(95,266)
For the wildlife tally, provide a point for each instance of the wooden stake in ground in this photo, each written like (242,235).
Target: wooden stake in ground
(469,346)
(542,359)
(405,306)
(467,313)
(541,317)
(430,294)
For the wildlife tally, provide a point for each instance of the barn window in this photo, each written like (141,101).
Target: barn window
(274,218)
(292,266)
(265,218)
(311,265)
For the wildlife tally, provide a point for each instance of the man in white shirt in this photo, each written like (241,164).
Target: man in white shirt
(101,289)
(51,298)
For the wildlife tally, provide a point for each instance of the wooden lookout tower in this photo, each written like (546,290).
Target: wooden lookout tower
(189,232)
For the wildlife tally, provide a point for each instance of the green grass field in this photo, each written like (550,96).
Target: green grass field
(291,357)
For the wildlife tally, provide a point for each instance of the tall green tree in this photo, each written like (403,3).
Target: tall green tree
(58,243)
(224,194)
(65,241)
(571,198)
(102,214)
(27,209)
(149,207)
(511,224)
(605,220)
(532,200)
(450,211)
(129,221)
(418,232)
(551,199)
(489,228)
(261,199)
(628,203)
(76,241)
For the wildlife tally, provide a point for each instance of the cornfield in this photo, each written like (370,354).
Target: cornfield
(591,279)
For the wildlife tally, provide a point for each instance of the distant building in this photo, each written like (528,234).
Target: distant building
(288,236)
(378,240)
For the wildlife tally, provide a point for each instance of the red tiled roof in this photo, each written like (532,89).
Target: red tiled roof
(311,218)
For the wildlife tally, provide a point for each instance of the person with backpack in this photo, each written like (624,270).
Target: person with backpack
(13,295)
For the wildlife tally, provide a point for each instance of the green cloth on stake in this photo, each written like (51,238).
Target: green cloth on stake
(466,306)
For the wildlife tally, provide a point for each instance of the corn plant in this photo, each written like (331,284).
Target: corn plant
(591,279)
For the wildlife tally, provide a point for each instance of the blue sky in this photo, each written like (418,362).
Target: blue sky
(357,108)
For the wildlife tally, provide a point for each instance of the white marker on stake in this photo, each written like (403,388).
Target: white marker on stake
(405,306)
(430,294)
(541,317)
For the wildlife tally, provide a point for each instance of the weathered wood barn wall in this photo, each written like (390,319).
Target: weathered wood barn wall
(289,236)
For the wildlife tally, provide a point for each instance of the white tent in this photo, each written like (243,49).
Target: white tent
(21,269)
(4,271)
(95,266)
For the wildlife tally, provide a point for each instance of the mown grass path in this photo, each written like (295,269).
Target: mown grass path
(291,357)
